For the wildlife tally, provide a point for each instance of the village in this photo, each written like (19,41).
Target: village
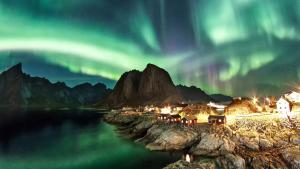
(285,107)
(245,132)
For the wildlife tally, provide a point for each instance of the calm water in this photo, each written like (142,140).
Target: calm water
(73,143)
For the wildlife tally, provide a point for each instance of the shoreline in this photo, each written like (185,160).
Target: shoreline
(226,146)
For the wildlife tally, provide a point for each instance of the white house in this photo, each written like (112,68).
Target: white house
(293,97)
(283,106)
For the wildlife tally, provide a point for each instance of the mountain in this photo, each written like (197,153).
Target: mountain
(151,86)
(221,98)
(19,90)
(88,94)
(193,94)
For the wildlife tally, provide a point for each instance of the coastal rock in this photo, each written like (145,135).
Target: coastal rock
(119,118)
(262,162)
(295,139)
(250,143)
(175,138)
(144,125)
(152,134)
(214,145)
(265,144)
(202,164)
(230,161)
(292,157)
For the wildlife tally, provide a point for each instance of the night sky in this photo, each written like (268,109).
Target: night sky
(235,47)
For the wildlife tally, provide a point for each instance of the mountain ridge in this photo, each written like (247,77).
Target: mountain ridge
(20,91)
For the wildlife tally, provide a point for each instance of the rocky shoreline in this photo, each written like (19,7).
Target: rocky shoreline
(239,146)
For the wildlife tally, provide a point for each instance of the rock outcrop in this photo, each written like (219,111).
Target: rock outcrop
(201,164)
(174,138)
(230,161)
(292,157)
(214,145)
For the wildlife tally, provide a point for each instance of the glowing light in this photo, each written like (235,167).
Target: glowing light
(230,119)
(166,110)
(202,118)
(215,105)
(115,61)
(187,158)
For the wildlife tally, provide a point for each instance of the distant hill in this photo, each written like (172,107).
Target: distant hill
(151,86)
(221,98)
(19,90)
(193,94)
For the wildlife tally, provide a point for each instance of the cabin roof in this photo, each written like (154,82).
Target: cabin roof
(176,116)
(216,117)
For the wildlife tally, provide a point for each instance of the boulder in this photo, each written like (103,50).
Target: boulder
(175,138)
(262,162)
(295,139)
(201,164)
(144,125)
(152,134)
(119,118)
(292,157)
(265,144)
(230,161)
(250,143)
(214,145)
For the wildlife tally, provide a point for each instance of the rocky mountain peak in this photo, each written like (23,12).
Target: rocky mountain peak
(14,71)
(153,85)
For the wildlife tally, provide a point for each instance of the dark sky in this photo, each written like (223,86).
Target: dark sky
(235,47)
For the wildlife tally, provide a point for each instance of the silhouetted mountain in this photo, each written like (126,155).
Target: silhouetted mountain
(19,90)
(87,93)
(193,94)
(152,86)
(221,98)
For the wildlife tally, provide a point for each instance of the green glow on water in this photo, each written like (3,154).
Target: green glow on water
(75,148)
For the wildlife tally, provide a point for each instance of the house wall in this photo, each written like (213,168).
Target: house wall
(283,106)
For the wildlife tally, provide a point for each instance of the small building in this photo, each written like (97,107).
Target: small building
(283,105)
(176,118)
(293,97)
(149,109)
(189,121)
(217,119)
(180,106)
(164,117)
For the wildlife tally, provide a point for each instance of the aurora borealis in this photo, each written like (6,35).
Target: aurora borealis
(222,46)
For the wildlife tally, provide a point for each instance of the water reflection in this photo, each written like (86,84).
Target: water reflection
(73,146)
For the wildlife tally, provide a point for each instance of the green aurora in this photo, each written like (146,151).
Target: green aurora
(214,44)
